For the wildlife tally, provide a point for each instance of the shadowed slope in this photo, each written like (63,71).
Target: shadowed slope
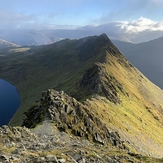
(60,66)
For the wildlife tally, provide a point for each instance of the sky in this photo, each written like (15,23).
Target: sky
(130,16)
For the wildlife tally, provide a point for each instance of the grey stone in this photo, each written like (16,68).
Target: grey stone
(61,160)
(41,159)
(15,159)
(99,139)
(51,158)
(81,160)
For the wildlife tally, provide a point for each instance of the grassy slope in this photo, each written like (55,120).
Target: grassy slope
(35,69)
(147,57)
(138,117)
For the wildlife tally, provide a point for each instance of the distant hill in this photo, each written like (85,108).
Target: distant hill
(147,57)
(30,37)
(6,44)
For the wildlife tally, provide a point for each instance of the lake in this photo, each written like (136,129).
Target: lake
(9,101)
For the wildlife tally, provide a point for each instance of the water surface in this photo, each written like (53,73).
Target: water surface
(9,101)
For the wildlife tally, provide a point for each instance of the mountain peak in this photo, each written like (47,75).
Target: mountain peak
(104,36)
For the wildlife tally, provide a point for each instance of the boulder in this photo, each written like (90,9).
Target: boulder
(51,158)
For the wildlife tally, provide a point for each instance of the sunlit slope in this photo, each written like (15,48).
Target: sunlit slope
(147,57)
(138,118)
(6,44)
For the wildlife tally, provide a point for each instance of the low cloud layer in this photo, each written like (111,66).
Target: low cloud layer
(13,20)
(140,30)
(118,19)
(140,25)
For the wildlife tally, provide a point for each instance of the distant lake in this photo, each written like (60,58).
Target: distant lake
(9,101)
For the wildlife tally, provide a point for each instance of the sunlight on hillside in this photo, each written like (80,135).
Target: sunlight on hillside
(16,50)
(139,122)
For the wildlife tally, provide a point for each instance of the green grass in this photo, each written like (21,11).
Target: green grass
(36,69)
(132,118)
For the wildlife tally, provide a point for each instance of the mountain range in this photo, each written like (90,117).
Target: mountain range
(30,37)
(81,101)
(49,35)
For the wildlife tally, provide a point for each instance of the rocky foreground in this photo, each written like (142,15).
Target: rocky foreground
(63,131)
(21,145)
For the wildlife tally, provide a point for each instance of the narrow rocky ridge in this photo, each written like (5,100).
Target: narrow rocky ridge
(71,116)
(98,82)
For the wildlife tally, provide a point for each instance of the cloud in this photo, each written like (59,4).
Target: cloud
(142,29)
(6,16)
(157,2)
(52,14)
(10,19)
(140,25)
(138,30)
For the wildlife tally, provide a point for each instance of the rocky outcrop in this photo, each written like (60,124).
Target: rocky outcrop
(73,117)
(68,132)
(10,135)
(41,149)
(96,81)
(46,143)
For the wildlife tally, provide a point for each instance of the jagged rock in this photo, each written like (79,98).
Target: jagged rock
(81,160)
(42,148)
(75,120)
(40,159)
(4,158)
(97,82)
(10,135)
(61,160)
(67,113)
(51,158)
(98,138)
(14,159)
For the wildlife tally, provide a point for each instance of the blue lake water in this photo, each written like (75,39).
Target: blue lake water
(9,101)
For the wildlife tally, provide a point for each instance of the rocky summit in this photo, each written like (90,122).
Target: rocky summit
(107,111)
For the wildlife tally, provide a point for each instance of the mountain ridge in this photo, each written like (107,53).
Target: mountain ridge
(102,85)
(147,57)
